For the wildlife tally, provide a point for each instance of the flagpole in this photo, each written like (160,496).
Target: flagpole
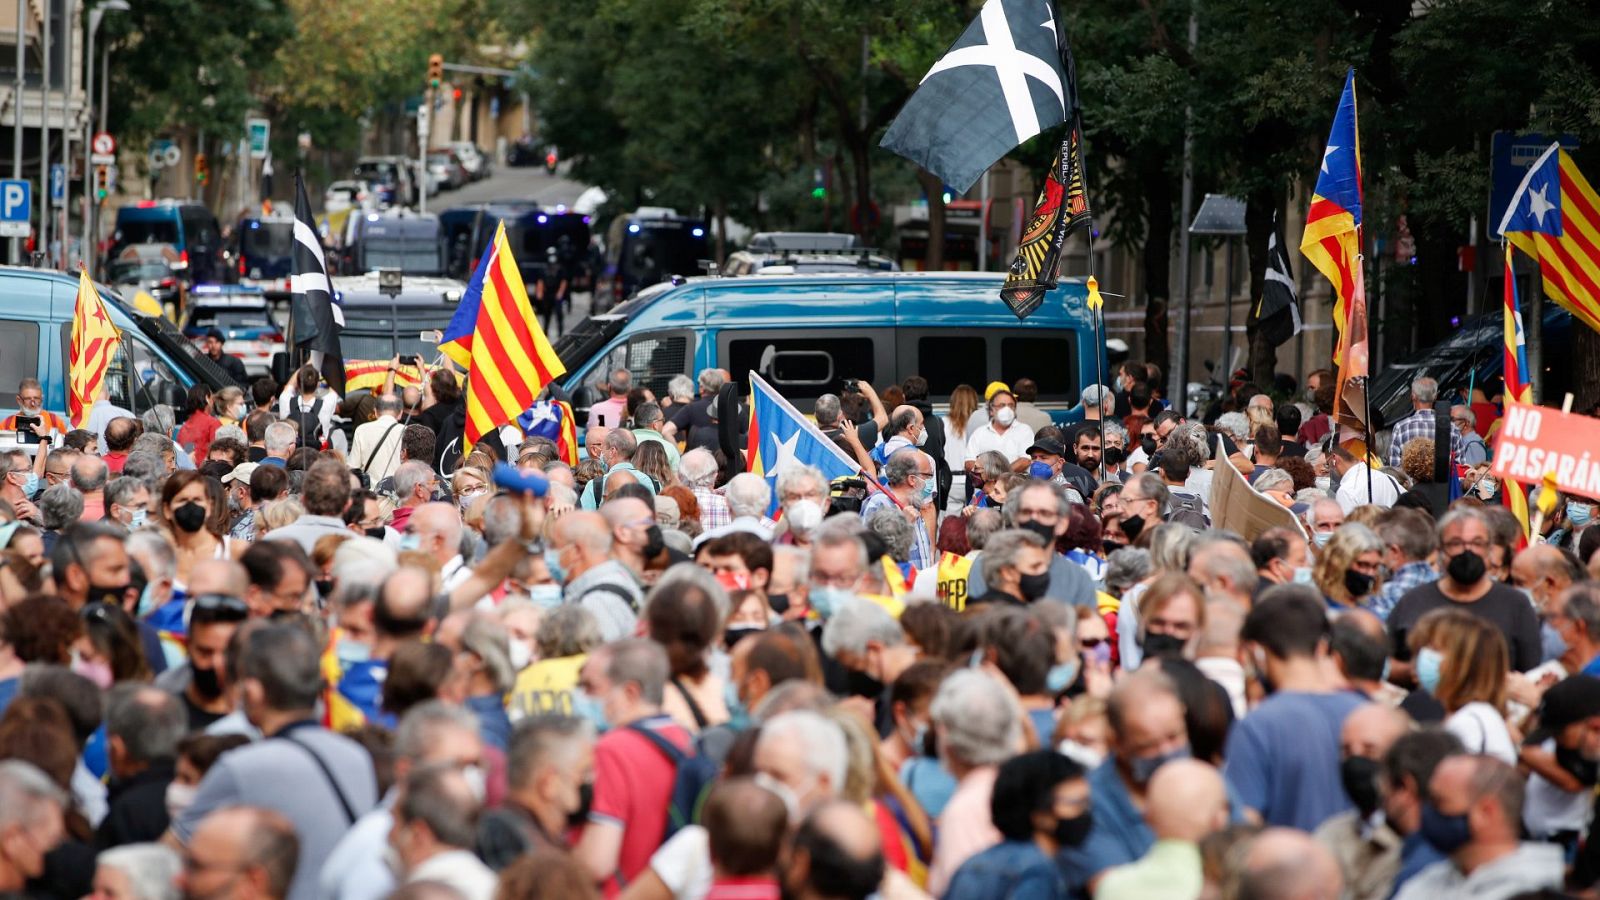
(1366,395)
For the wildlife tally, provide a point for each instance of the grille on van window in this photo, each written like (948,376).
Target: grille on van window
(654,359)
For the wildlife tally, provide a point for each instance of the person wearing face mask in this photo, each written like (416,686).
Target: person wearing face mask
(1359,646)
(1323,518)
(31,823)
(191,516)
(1001,432)
(143,727)
(434,831)
(906,429)
(636,539)
(1040,805)
(1461,663)
(1283,758)
(1544,572)
(90,565)
(1188,801)
(873,647)
(1282,556)
(912,482)
(1147,732)
(30,405)
(550,788)
(803,497)
(1367,847)
(127,502)
(1015,566)
(1473,815)
(1408,542)
(200,681)
(431,734)
(1464,541)
(1043,509)
(18,485)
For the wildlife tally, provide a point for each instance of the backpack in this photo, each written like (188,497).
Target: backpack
(688,765)
(310,425)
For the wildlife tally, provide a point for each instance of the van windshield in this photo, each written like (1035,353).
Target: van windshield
(412,256)
(663,250)
(268,240)
(149,231)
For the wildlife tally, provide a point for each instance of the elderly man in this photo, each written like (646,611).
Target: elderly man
(1188,802)
(1015,568)
(912,481)
(805,753)
(978,724)
(1473,815)
(1099,402)
(1281,556)
(325,492)
(748,497)
(244,853)
(803,497)
(551,764)
(31,808)
(376,447)
(143,726)
(1002,432)
(435,828)
(698,469)
(89,476)
(1223,566)
(1367,847)
(596,579)
(435,529)
(279,442)
(1424,391)
(867,641)
(1043,508)
(616,453)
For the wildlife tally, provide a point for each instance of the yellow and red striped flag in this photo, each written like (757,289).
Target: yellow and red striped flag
(496,338)
(1555,218)
(94,340)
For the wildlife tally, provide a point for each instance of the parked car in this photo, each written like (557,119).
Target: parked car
(188,227)
(446,170)
(475,161)
(345,195)
(391,179)
(244,316)
(149,268)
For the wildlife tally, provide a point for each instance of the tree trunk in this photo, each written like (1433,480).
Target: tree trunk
(1258,215)
(933,261)
(1586,371)
(720,211)
(861,159)
(1156,262)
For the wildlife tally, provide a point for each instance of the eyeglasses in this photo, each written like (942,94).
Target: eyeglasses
(1091,643)
(1456,545)
(222,607)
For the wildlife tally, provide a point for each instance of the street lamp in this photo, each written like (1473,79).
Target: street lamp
(96,13)
(1222,216)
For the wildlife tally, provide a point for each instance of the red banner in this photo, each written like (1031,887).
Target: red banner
(1536,440)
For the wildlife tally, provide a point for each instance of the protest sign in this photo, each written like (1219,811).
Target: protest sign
(1537,440)
(1238,507)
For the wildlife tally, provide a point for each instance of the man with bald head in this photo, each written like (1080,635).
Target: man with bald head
(1367,847)
(1286,864)
(241,853)
(89,475)
(835,853)
(1359,646)
(1224,568)
(1323,519)
(218,576)
(1545,572)
(435,529)
(635,536)
(595,578)
(1188,800)
(1473,815)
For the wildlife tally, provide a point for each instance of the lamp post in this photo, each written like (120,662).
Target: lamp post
(90,204)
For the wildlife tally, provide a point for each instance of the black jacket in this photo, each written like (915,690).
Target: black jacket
(136,808)
(934,447)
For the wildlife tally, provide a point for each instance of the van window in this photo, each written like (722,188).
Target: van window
(19,352)
(148,231)
(652,357)
(949,361)
(1051,361)
(801,367)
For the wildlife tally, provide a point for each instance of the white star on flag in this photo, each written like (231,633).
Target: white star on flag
(786,457)
(1325,154)
(1538,205)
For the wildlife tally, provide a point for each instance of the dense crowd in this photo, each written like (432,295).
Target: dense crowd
(286,644)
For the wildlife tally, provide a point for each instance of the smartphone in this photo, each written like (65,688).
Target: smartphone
(25,424)
(408,360)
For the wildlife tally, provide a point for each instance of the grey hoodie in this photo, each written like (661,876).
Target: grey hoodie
(1531,867)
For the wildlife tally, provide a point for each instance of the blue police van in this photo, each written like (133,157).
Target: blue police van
(154,363)
(806,334)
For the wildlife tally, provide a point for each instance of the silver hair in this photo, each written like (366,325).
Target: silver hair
(858,622)
(1013,504)
(796,474)
(151,442)
(502,520)
(1236,424)
(1424,390)
(159,419)
(1150,485)
(748,495)
(151,869)
(687,573)
(157,552)
(980,525)
(827,409)
(1057,614)
(1453,517)
(680,388)
(1125,568)
(409,475)
(485,638)
(1189,439)
(279,436)
(823,743)
(421,726)
(231,431)
(389,403)
(567,630)
(698,468)
(59,506)
(1002,549)
(901,466)
(1170,547)
(149,721)
(1274,480)
(980,718)
(1114,429)
(1095,394)
(94,473)
(711,380)
(891,525)
(363,559)
(561,494)
(121,489)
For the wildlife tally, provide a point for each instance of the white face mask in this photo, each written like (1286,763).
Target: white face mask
(1005,415)
(180,797)
(803,516)
(521,655)
(922,437)
(1323,483)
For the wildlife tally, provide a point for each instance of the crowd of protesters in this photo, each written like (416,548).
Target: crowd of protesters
(284,644)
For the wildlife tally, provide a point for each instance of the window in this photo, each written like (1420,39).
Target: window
(802,367)
(1050,361)
(655,358)
(150,374)
(19,353)
(949,361)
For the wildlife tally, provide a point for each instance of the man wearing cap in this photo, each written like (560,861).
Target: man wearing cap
(211,345)
(1053,454)
(237,484)
(1001,433)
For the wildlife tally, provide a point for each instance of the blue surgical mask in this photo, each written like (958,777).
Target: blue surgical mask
(1303,575)
(1430,663)
(552,561)
(927,491)
(350,652)
(1144,768)
(738,713)
(1578,513)
(1550,639)
(827,600)
(587,707)
(410,541)
(1061,676)
(545,596)
(1322,538)
(147,599)
(30,484)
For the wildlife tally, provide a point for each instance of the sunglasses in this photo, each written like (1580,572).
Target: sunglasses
(1091,643)
(222,607)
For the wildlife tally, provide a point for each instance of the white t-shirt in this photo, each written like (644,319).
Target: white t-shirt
(1482,730)
(1013,445)
(1353,489)
(683,863)
(1550,809)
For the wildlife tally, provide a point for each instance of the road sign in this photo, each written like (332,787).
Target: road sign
(58,185)
(104,144)
(258,131)
(1510,155)
(16,207)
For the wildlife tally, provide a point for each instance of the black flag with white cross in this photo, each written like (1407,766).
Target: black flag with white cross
(1277,312)
(1002,82)
(315,322)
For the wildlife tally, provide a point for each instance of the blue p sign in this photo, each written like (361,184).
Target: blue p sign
(15,197)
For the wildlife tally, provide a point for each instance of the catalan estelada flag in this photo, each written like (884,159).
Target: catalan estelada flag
(94,340)
(1555,218)
(554,421)
(1331,239)
(496,338)
(1512,493)
(780,437)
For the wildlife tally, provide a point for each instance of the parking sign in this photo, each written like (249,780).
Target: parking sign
(58,185)
(16,207)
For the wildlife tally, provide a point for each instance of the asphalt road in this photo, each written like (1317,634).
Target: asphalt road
(507,183)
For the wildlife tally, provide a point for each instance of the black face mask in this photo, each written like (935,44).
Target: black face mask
(1131,526)
(1072,832)
(1465,567)
(779,603)
(1357,583)
(1148,445)
(1048,532)
(1034,586)
(191,517)
(654,542)
(1586,770)
(205,681)
(863,685)
(580,815)
(1359,774)
(112,594)
(1114,456)
(379,532)
(733,636)
(1162,646)
(324,587)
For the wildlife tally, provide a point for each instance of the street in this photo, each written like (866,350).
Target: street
(507,183)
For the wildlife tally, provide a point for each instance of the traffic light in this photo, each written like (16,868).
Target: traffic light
(202,169)
(435,69)
(102,182)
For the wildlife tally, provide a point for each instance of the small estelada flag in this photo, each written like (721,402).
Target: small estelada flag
(94,340)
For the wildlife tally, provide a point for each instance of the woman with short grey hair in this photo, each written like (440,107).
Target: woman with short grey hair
(137,872)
